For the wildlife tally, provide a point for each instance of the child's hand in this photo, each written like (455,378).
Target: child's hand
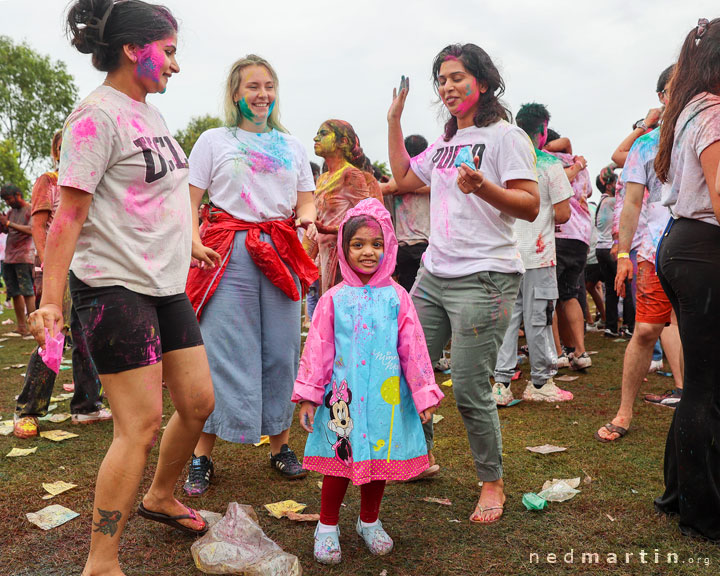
(426,415)
(307,416)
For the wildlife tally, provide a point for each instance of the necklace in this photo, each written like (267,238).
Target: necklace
(108,83)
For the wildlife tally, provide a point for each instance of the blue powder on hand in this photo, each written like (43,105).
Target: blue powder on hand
(465,157)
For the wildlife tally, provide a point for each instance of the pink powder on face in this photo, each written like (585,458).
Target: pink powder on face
(151,60)
(83,132)
(471,98)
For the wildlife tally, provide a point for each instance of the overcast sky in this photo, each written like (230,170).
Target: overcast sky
(593,63)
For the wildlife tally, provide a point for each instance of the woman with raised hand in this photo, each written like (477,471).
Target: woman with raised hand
(481,174)
(124,220)
(261,187)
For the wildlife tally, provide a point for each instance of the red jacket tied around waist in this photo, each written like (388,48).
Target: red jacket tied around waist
(276,263)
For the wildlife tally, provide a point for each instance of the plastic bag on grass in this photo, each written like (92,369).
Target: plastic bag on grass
(237,545)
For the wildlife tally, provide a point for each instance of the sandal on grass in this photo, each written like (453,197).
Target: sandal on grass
(612,428)
(173,520)
(476,516)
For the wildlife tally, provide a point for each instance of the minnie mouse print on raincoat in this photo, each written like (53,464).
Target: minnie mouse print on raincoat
(366,367)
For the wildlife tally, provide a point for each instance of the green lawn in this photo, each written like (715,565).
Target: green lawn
(613,514)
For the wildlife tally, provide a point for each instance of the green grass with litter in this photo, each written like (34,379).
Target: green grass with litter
(612,514)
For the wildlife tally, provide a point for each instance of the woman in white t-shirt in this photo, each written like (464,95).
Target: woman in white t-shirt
(124,220)
(259,182)
(471,270)
(688,266)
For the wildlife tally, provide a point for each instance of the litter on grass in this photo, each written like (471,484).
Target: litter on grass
(559,490)
(55,418)
(545,449)
(437,418)
(237,545)
(566,378)
(6,427)
(280,509)
(51,517)
(443,501)
(17,452)
(55,488)
(532,501)
(13,334)
(57,435)
(52,407)
(610,518)
(263,440)
(211,518)
(8,322)
(447,383)
(302,517)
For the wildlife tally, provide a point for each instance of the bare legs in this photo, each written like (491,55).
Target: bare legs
(24,306)
(135,397)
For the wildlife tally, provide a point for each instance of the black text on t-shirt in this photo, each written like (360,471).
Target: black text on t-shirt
(445,157)
(148,145)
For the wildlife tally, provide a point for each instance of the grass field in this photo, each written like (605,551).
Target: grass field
(613,514)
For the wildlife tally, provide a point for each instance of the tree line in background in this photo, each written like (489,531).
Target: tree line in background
(36,96)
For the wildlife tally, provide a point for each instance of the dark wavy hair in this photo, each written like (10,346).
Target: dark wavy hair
(478,63)
(697,70)
(531,118)
(352,151)
(103,27)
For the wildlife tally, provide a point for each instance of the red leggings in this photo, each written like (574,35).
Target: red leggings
(333,492)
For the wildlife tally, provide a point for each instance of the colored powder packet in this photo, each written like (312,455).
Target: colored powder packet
(55,488)
(465,157)
(280,509)
(51,516)
(532,501)
(17,452)
(57,435)
(51,354)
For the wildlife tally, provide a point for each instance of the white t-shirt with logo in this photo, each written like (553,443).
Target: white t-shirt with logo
(138,231)
(254,177)
(469,235)
(697,127)
(536,240)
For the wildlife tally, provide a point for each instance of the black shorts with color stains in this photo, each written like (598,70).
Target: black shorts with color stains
(126,330)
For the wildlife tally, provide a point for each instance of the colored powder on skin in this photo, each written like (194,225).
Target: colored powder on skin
(472,95)
(246,112)
(150,62)
(83,132)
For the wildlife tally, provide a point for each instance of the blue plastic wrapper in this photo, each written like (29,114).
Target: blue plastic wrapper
(465,157)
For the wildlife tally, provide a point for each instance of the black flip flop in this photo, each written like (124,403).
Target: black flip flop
(173,520)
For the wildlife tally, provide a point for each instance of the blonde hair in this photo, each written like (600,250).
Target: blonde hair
(232,114)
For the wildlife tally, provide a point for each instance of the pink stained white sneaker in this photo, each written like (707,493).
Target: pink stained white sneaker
(97,416)
(548,393)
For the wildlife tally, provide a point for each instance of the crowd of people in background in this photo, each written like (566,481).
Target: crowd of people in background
(484,234)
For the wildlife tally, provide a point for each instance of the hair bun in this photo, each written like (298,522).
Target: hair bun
(86,21)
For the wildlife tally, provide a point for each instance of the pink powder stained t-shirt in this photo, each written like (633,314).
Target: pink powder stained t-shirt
(138,231)
(579,226)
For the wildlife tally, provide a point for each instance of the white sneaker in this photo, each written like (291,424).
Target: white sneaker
(563,361)
(580,362)
(97,416)
(502,394)
(655,365)
(548,393)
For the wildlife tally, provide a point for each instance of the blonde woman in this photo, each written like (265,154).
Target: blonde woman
(247,291)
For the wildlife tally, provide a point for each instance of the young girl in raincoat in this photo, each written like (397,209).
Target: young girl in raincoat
(365,382)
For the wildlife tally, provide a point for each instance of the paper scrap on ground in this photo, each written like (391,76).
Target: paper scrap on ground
(8,322)
(66,395)
(303,517)
(591,352)
(559,490)
(619,340)
(566,378)
(65,367)
(610,518)
(447,383)
(280,509)
(3,339)
(6,427)
(437,418)
(55,418)
(66,361)
(443,501)
(52,407)
(55,488)
(545,449)
(263,440)
(15,452)
(17,365)
(13,334)
(319,484)
(57,435)
(51,517)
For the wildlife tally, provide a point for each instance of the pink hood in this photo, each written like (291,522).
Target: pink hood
(382,277)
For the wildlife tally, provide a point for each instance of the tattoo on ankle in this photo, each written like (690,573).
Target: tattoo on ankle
(108,521)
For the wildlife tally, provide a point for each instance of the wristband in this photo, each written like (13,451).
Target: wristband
(623,255)
(616,242)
